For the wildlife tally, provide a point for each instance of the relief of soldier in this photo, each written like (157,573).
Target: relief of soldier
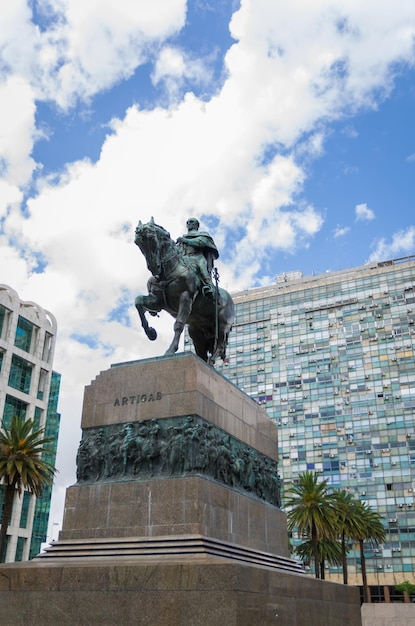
(176,447)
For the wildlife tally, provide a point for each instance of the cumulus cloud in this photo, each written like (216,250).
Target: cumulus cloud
(401,244)
(340,231)
(17,132)
(237,159)
(363,213)
(174,68)
(86,46)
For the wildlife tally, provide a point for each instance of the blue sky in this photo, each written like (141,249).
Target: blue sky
(287,128)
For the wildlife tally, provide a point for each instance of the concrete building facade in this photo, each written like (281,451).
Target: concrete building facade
(331,358)
(30,388)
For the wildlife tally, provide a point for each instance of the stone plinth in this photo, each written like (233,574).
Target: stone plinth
(171,592)
(173,507)
(171,391)
(169,387)
(168,534)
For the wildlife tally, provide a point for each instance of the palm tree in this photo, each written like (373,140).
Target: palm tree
(329,550)
(372,528)
(22,466)
(312,511)
(349,522)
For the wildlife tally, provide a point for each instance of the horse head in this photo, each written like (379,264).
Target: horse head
(151,239)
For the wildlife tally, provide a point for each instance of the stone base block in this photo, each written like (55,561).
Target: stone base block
(175,506)
(183,592)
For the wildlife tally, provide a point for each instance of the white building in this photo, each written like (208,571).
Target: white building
(28,388)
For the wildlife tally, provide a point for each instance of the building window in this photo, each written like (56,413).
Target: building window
(37,417)
(2,499)
(13,406)
(25,510)
(42,384)
(2,318)
(1,359)
(21,541)
(24,332)
(20,374)
(47,347)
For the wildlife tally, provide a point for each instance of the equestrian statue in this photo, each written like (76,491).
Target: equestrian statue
(181,284)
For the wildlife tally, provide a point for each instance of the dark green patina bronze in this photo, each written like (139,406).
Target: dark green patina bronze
(180,446)
(181,284)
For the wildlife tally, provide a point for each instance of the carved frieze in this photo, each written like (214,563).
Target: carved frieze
(175,447)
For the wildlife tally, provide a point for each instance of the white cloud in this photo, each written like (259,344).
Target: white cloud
(170,62)
(174,66)
(10,195)
(350,132)
(104,42)
(402,244)
(238,157)
(86,46)
(17,131)
(340,231)
(363,213)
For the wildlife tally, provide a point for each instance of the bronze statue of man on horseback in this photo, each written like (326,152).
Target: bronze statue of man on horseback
(202,248)
(181,284)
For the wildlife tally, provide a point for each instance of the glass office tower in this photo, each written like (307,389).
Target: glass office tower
(28,388)
(331,359)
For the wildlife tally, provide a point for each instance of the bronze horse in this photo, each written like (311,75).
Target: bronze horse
(176,287)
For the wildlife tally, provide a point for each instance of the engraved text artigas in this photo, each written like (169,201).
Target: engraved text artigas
(136,399)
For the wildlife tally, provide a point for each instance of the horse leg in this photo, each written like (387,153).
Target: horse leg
(198,337)
(143,304)
(220,346)
(185,306)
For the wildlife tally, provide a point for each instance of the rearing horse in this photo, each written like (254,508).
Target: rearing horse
(176,287)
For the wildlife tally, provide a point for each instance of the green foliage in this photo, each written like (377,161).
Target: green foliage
(312,512)
(311,506)
(349,521)
(21,465)
(329,550)
(371,523)
(328,520)
(406,586)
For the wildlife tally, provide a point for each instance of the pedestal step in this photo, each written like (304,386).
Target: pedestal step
(161,547)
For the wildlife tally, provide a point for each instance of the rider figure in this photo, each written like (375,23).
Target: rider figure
(202,248)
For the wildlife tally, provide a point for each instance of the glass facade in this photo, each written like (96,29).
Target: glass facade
(331,359)
(25,510)
(13,406)
(20,374)
(21,541)
(29,389)
(42,507)
(24,332)
(2,318)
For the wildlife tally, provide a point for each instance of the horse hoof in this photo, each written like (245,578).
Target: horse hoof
(152,334)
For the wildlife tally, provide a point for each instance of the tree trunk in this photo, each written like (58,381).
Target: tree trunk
(7,513)
(314,541)
(322,572)
(344,560)
(366,596)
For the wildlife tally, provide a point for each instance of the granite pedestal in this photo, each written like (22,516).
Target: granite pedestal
(175,516)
